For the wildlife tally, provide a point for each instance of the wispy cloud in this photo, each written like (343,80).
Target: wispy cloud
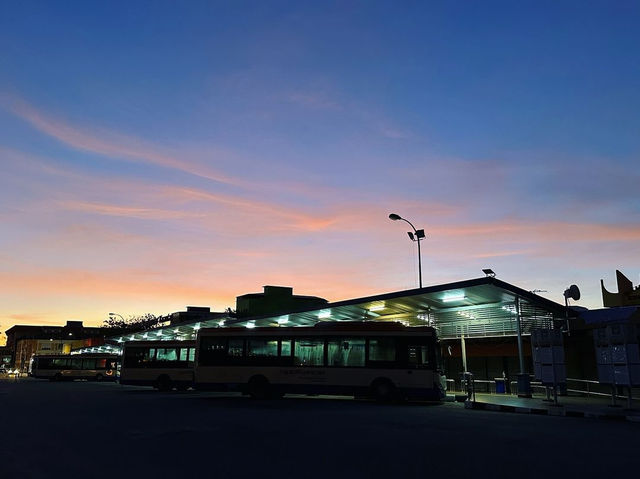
(110,144)
(499,254)
(314,100)
(541,231)
(318,99)
(126,211)
(393,133)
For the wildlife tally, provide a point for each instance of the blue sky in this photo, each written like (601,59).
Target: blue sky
(157,154)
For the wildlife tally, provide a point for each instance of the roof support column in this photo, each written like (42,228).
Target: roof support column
(519,331)
(463,346)
(524,382)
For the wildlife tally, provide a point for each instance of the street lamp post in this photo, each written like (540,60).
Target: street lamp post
(416,236)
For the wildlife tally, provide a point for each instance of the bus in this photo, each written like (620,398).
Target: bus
(98,367)
(162,364)
(385,361)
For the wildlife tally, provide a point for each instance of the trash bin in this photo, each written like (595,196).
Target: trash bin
(501,385)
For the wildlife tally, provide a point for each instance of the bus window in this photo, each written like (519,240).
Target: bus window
(263,348)
(285,348)
(88,363)
(60,363)
(43,363)
(309,352)
(236,348)
(101,363)
(347,352)
(167,354)
(382,349)
(213,351)
(418,355)
(138,357)
(187,355)
(76,363)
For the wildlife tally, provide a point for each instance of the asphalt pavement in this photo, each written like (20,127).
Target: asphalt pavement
(95,430)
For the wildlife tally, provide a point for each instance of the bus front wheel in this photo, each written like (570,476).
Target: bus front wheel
(259,388)
(383,390)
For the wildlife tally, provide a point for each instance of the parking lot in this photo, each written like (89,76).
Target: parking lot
(83,429)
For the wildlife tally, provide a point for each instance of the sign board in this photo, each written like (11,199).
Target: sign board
(547,349)
(618,354)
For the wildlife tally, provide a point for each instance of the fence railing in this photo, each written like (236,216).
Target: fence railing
(584,387)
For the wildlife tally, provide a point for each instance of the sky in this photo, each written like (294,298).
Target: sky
(155,155)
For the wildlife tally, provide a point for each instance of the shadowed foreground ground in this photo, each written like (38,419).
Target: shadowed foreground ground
(91,430)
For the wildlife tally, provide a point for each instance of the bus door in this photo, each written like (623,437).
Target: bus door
(420,361)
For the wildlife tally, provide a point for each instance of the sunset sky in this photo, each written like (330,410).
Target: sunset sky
(155,155)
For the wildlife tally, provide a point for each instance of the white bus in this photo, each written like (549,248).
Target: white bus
(381,360)
(162,364)
(98,367)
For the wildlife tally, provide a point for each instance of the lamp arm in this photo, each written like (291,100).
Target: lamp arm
(410,224)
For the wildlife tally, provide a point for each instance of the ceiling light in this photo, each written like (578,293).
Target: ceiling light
(453,297)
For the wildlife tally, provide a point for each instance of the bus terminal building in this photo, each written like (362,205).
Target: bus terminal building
(484,324)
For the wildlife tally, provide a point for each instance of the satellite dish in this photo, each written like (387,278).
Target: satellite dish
(572,292)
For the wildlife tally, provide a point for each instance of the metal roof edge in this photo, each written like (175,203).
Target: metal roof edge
(534,298)
(531,297)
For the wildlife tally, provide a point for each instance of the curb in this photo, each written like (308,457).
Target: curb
(556,411)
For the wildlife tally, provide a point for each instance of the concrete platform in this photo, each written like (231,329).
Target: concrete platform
(568,406)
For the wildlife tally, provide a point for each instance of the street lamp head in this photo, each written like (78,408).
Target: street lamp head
(410,235)
(394,217)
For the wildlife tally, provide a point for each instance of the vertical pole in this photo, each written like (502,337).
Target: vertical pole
(464,353)
(419,261)
(519,331)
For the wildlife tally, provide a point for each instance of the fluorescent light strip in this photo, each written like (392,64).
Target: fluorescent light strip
(457,297)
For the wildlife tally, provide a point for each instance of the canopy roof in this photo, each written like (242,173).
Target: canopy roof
(482,307)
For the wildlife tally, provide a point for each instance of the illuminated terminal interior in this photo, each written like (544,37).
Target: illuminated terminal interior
(479,308)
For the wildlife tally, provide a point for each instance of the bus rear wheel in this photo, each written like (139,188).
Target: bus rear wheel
(164,383)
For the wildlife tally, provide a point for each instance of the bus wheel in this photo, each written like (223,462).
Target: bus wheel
(259,388)
(57,377)
(164,383)
(182,387)
(99,377)
(383,390)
